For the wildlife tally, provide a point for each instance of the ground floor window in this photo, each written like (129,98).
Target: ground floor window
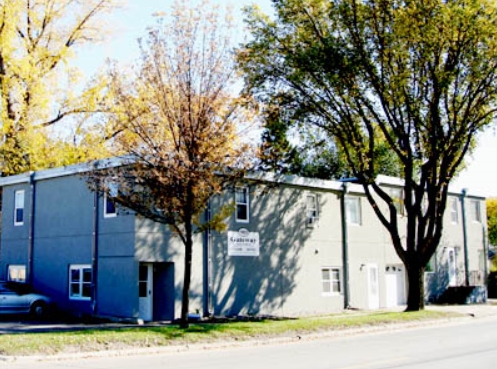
(17,273)
(80,282)
(331,280)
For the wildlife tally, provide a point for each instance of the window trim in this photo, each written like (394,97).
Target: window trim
(81,283)
(18,206)
(246,204)
(107,199)
(17,268)
(331,281)
(348,201)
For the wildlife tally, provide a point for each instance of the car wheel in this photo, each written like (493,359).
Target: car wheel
(39,309)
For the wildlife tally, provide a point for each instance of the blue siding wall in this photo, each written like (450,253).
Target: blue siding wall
(118,287)
(63,236)
(14,239)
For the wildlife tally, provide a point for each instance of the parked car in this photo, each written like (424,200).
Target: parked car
(18,298)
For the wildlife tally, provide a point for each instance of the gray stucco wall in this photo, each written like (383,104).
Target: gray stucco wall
(285,279)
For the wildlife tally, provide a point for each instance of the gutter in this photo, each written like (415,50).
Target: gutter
(345,247)
(465,237)
(31,227)
(94,253)
(485,256)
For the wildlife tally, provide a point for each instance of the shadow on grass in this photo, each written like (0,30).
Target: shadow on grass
(119,337)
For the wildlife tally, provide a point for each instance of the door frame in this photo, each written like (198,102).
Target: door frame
(373,285)
(146,303)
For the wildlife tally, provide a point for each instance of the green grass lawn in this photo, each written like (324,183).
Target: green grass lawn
(50,343)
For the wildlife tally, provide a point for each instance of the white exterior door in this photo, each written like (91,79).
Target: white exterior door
(145,288)
(373,287)
(451,266)
(395,286)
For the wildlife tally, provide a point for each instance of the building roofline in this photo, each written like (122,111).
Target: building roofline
(291,180)
(62,171)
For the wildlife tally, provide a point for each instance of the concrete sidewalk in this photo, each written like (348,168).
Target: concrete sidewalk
(474,310)
(20,326)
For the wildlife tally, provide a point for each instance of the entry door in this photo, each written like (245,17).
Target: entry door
(145,289)
(451,266)
(395,286)
(373,287)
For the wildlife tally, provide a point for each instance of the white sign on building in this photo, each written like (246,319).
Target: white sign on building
(243,243)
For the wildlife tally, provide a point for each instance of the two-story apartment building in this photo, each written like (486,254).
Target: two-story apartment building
(294,246)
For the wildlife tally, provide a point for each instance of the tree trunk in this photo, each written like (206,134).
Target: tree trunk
(416,290)
(185,304)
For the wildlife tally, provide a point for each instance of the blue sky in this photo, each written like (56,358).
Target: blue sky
(130,23)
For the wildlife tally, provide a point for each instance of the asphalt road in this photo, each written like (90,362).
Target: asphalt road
(471,343)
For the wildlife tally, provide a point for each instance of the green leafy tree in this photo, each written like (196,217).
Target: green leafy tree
(312,155)
(492,220)
(175,116)
(492,226)
(415,78)
(276,153)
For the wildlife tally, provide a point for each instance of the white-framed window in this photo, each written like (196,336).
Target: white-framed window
(16,273)
(19,208)
(475,211)
(331,280)
(80,282)
(242,204)
(397,196)
(353,210)
(312,210)
(454,210)
(110,209)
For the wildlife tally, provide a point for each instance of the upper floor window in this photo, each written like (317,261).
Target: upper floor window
(110,209)
(475,211)
(80,282)
(16,273)
(312,209)
(353,210)
(19,208)
(454,210)
(242,204)
(397,195)
(431,266)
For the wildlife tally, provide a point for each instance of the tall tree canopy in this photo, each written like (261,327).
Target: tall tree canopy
(37,85)
(418,76)
(176,117)
(288,147)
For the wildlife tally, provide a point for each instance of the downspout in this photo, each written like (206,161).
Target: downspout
(485,255)
(465,237)
(206,264)
(94,253)
(345,247)
(31,230)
